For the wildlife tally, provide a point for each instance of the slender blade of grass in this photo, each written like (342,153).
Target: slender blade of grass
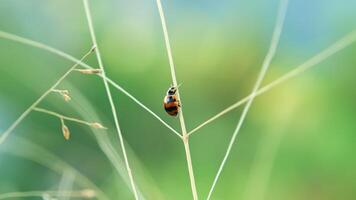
(108,92)
(87,111)
(266,63)
(181,116)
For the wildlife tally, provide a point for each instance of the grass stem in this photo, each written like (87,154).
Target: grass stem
(108,92)
(181,116)
(62,117)
(266,63)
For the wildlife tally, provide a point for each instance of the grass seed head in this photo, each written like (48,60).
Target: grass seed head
(66,97)
(64,94)
(90,71)
(66,132)
(97,125)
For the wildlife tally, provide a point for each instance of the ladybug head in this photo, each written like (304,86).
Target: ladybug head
(172,90)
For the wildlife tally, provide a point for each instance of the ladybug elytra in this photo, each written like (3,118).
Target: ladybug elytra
(171,103)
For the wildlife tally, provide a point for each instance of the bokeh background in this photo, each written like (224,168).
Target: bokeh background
(298,141)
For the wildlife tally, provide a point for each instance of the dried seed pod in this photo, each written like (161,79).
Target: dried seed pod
(66,132)
(97,125)
(89,71)
(64,94)
(67,98)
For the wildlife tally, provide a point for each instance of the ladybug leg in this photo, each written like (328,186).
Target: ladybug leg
(179,105)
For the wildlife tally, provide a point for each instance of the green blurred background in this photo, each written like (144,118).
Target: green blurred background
(297,141)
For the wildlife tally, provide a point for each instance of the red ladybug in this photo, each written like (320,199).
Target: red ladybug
(171,103)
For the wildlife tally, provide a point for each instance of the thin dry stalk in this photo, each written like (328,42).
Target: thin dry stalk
(113,109)
(29,109)
(63,117)
(266,63)
(181,116)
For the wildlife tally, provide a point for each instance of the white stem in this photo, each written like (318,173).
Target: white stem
(34,104)
(266,63)
(113,109)
(181,116)
(39,45)
(62,117)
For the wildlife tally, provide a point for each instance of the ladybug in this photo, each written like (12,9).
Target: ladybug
(171,103)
